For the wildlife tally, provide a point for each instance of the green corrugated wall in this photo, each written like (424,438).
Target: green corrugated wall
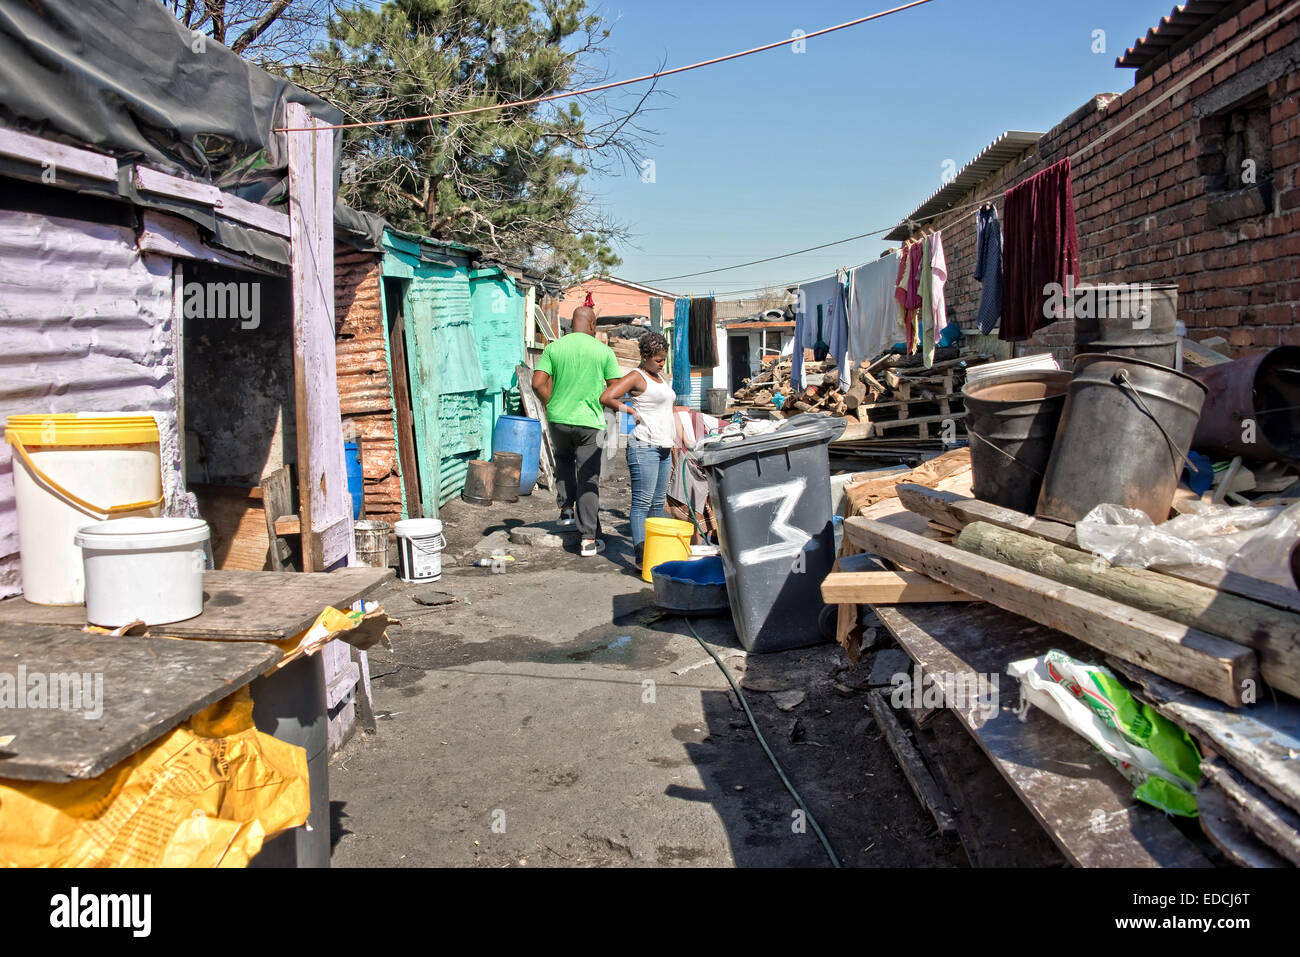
(498,309)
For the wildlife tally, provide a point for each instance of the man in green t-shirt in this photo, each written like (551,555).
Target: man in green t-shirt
(571,374)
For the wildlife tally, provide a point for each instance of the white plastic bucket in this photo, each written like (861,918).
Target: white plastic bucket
(147,569)
(71,469)
(419,549)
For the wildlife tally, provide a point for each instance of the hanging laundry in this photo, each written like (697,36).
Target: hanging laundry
(873,310)
(1041,248)
(829,294)
(936,310)
(682,351)
(704,338)
(925,315)
(988,267)
(909,291)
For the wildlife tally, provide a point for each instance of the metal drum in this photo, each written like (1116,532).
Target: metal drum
(1124,436)
(479,483)
(1137,320)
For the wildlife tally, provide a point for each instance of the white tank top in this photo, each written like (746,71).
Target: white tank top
(656,407)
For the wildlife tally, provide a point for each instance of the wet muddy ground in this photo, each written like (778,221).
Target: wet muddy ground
(553,716)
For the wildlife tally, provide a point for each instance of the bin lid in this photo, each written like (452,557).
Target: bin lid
(799,430)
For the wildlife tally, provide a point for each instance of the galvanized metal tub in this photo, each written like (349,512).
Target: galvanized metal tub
(506,468)
(1124,435)
(1253,409)
(372,542)
(1138,320)
(479,480)
(1012,418)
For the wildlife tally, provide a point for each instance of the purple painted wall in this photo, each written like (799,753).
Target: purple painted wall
(86,326)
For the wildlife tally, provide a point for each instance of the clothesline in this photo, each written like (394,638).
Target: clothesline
(1223,55)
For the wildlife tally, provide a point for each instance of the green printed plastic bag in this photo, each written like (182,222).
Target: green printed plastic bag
(1154,754)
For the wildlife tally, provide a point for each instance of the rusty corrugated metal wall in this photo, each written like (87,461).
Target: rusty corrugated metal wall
(365,385)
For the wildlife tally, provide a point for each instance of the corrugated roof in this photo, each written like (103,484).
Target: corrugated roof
(1186,24)
(992,158)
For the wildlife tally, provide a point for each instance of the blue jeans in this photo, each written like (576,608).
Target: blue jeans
(649,466)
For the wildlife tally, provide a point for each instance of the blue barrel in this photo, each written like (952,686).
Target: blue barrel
(518,433)
(356,480)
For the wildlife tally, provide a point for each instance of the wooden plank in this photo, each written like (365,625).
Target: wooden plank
(38,152)
(1278,827)
(1198,354)
(913,767)
(140,687)
(323,498)
(1229,835)
(1202,661)
(404,421)
(163,184)
(1262,741)
(534,408)
(886,588)
(277,499)
(253,214)
(1082,802)
(237,521)
(959,511)
(171,236)
(237,606)
(1272,632)
(879,427)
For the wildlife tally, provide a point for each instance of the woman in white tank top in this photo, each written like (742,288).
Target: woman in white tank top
(650,446)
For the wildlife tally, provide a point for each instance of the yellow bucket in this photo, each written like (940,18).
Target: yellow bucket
(72,470)
(666,540)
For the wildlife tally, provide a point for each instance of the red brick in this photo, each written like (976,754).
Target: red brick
(1281,314)
(1251,13)
(1290,337)
(1266,336)
(1240,337)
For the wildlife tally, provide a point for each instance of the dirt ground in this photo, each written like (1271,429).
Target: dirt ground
(553,716)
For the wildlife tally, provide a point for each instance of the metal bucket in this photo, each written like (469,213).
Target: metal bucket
(372,542)
(1253,409)
(715,401)
(505,479)
(1137,320)
(1123,438)
(1012,418)
(479,483)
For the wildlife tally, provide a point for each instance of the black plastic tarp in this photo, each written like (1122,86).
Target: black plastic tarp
(125,77)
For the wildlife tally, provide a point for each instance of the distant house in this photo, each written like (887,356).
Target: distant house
(615,297)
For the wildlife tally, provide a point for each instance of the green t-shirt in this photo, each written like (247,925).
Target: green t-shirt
(579,366)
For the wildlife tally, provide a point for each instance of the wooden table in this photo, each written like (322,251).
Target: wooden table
(132,691)
(150,685)
(1083,803)
(237,606)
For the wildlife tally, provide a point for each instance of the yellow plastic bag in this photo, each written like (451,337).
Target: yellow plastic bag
(208,794)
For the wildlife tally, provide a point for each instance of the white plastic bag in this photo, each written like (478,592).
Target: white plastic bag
(1245,539)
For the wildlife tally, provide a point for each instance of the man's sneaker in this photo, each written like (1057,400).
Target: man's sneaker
(567,517)
(592,547)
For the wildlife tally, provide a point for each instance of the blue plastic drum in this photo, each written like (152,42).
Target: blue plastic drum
(518,433)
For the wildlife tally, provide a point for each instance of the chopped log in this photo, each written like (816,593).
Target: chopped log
(960,511)
(1198,660)
(1272,632)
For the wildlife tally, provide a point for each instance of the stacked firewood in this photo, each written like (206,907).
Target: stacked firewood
(820,392)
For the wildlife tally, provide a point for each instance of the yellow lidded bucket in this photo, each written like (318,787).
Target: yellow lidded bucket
(666,540)
(71,470)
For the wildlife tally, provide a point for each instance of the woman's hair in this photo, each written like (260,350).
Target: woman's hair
(652,344)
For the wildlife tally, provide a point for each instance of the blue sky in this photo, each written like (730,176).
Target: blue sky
(780,151)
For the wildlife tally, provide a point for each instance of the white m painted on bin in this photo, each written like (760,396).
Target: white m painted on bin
(791,541)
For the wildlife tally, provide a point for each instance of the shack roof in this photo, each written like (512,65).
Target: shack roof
(992,158)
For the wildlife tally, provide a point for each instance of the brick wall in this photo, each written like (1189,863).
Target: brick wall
(1162,201)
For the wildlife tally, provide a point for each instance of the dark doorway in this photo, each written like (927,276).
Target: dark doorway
(407,449)
(738,361)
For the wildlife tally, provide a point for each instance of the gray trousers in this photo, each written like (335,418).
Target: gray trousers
(577,473)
